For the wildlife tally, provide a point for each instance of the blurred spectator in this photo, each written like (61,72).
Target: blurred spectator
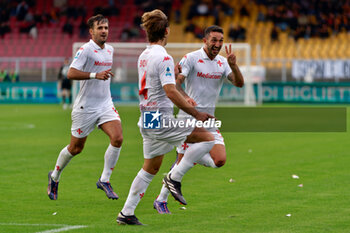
(203,9)
(299,33)
(261,15)
(176,8)
(216,14)
(190,26)
(38,17)
(110,10)
(146,5)
(237,34)
(59,3)
(4,28)
(3,75)
(83,28)
(193,28)
(192,12)
(243,11)
(323,32)
(274,34)
(65,84)
(68,27)
(308,32)
(72,12)
(33,32)
(13,76)
(130,32)
(137,19)
(46,17)
(198,32)
(21,10)
(226,8)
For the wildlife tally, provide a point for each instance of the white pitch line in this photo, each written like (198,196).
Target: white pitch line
(64,227)
(67,228)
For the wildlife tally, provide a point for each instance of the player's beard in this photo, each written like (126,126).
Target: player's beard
(103,39)
(213,52)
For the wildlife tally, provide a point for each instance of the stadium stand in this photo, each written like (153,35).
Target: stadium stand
(301,29)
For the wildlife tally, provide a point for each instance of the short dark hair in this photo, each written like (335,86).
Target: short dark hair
(213,28)
(97,18)
(155,24)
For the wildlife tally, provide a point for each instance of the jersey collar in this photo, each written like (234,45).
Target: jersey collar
(156,46)
(95,46)
(205,56)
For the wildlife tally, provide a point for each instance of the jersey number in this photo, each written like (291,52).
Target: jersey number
(143,91)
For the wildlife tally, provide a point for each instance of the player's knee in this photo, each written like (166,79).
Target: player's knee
(151,170)
(220,162)
(117,140)
(155,170)
(74,150)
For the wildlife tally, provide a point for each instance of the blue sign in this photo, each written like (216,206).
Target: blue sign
(29,92)
(152,120)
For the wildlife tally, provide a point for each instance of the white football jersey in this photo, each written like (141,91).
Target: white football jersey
(155,69)
(204,78)
(94,94)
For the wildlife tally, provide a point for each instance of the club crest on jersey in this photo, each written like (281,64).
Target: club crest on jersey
(168,73)
(220,63)
(200,61)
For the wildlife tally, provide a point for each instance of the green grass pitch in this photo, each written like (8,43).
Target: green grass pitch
(261,165)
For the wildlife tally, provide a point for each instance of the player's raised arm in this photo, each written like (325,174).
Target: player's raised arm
(236,76)
(75,74)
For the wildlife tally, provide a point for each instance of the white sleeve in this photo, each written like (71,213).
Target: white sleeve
(166,71)
(80,59)
(186,65)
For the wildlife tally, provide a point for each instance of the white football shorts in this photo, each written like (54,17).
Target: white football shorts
(84,123)
(161,141)
(219,139)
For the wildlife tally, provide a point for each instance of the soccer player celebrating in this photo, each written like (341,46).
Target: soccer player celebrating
(203,72)
(158,93)
(93,106)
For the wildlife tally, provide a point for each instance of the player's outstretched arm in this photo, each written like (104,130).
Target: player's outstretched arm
(236,76)
(177,98)
(179,80)
(75,74)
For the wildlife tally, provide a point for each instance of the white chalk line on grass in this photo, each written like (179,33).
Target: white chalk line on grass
(67,228)
(64,227)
